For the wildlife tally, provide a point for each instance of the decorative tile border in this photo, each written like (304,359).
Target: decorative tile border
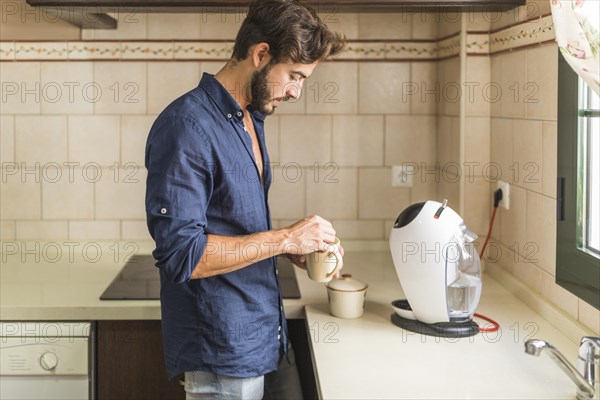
(202,50)
(527,33)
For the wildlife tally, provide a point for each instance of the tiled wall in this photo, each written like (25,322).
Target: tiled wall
(523,143)
(73,161)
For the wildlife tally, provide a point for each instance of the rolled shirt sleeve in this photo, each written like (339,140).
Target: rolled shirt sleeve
(178,188)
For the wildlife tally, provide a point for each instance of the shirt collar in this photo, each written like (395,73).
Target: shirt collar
(223,99)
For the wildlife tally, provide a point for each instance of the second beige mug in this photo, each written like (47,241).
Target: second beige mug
(323,265)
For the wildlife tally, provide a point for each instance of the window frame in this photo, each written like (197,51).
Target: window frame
(576,270)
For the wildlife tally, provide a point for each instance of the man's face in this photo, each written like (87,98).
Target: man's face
(275,83)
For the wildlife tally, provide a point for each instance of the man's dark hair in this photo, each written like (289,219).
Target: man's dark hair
(294,33)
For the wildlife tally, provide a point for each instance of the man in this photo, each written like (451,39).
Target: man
(206,204)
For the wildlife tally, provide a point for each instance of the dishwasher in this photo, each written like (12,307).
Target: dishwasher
(47,360)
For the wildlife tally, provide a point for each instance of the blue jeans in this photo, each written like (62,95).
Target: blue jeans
(281,384)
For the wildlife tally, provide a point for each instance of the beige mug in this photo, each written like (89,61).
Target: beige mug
(323,265)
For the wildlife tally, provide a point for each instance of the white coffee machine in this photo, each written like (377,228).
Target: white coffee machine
(439,271)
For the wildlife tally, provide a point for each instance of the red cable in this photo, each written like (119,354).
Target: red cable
(487,239)
(495,326)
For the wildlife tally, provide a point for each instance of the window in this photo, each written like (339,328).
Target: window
(578,197)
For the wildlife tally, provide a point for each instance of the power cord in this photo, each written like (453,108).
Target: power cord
(497,198)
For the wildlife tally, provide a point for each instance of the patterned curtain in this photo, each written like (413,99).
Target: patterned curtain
(576,28)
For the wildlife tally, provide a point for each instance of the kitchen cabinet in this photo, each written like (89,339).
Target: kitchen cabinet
(130,363)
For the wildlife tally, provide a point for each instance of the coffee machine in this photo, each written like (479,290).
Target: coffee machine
(439,271)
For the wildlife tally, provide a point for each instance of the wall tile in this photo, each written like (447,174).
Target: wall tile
(542,72)
(344,23)
(287,193)
(377,199)
(477,143)
(589,316)
(529,273)
(501,152)
(131,24)
(449,188)
(562,298)
(447,140)
(477,205)
(512,222)
(478,20)
(20,21)
(135,230)
(410,139)
(527,151)
(450,23)
(425,185)
(424,77)
(94,139)
(425,25)
(333,194)
(549,158)
(21,87)
(130,192)
(7,138)
(540,246)
(40,139)
(358,140)
(305,139)
(20,195)
(450,87)
(514,84)
(380,88)
(169,80)
(332,89)
(495,92)
(98,230)
(134,132)
(478,75)
(7,230)
(65,87)
(123,87)
(384,26)
(174,26)
(221,24)
(356,229)
(68,194)
(42,230)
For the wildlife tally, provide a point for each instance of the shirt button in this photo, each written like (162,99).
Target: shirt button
(278,337)
(239,113)
(163,210)
(279,329)
(228,115)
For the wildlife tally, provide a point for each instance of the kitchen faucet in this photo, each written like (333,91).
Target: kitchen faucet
(587,375)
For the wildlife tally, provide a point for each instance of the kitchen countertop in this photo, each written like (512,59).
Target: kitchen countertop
(368,357)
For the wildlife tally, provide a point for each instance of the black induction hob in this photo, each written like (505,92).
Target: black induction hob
(139,280)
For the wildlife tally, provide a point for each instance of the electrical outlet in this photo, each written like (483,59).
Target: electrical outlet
(505,202)
(402,175)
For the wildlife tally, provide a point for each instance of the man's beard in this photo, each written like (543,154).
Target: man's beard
(261,90)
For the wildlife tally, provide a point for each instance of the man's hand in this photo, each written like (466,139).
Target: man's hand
(306,236)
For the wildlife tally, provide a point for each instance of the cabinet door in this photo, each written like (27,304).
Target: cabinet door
(130,362)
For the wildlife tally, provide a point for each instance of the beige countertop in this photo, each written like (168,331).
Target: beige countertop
(368,357)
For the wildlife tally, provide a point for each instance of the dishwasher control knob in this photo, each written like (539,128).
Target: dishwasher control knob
(48,361)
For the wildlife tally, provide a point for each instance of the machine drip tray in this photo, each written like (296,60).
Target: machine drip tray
(439,329)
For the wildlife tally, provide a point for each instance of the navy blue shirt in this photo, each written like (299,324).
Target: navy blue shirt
(203,179)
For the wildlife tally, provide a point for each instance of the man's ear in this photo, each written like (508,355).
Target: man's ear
(260,55)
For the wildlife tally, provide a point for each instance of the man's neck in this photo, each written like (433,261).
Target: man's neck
(237,82)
